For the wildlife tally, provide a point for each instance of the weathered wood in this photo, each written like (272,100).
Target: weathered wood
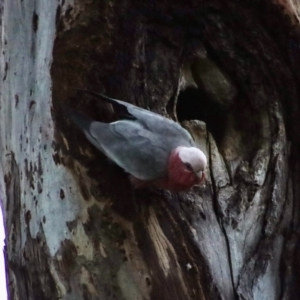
(75,228)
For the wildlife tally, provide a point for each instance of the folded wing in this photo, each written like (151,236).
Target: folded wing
(149,120)
(129,144)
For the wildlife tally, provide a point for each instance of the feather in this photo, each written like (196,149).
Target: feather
(145,144)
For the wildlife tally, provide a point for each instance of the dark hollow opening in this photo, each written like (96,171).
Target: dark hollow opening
(193,104)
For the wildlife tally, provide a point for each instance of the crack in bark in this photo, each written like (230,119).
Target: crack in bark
(215,201)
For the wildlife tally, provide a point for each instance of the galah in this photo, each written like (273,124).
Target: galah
(148,146)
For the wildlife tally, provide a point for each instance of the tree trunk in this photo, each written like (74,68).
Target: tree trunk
(75,228)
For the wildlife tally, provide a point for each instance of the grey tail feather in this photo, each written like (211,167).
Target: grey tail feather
(110,100)
(120,107)
(80,120)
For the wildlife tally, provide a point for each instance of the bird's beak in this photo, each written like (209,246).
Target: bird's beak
(200,176)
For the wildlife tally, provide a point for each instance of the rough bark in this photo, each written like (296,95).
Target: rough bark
(75,228)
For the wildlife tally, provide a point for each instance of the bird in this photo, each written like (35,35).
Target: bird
(151,148)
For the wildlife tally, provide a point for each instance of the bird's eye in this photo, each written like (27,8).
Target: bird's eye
(188,167)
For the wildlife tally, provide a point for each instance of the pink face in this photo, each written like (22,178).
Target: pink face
(181,175)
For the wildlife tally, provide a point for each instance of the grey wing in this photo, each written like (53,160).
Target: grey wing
(135,149)
(165,127)
(160,125)
(150,120)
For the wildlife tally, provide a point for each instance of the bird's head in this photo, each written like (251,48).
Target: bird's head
(186,167)
(193,161)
